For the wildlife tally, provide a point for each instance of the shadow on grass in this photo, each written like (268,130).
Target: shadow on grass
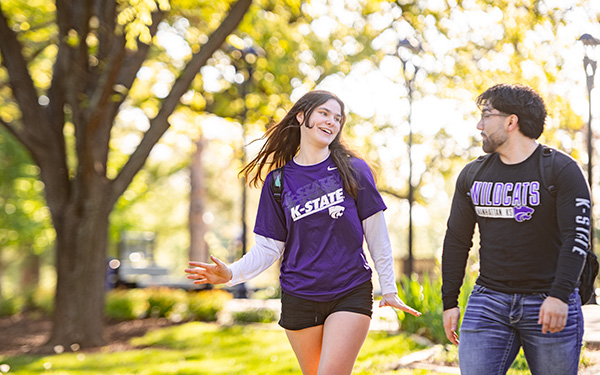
(205,348)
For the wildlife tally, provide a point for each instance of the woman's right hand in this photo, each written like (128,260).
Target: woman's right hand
(206,273)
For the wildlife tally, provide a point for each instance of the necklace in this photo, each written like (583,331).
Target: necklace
(534,146)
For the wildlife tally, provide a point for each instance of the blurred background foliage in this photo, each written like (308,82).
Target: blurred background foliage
(282,49)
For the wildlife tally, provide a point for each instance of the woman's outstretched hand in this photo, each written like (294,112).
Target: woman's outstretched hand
(206,273)
(392,299)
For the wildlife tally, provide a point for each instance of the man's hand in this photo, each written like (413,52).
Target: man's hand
(205,273)
(553,315)
(451,317)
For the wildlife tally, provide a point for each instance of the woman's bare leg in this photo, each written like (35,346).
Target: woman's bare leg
(306,344)
(344,333)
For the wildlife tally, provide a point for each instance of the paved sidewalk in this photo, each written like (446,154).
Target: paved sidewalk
(384,319)
(591,325)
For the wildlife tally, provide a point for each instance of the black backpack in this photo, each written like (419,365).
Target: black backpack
(590,269)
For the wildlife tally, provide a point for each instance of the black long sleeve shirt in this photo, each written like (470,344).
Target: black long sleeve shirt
(530,240)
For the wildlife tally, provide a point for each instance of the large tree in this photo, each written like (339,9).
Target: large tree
(63,114)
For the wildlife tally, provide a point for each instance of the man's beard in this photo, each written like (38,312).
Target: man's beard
(490,144)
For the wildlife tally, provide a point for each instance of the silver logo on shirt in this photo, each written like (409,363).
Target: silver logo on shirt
(336,211)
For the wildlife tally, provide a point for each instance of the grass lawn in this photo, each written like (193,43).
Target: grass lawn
(207,349)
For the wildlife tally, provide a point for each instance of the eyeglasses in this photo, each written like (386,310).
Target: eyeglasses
(485,115)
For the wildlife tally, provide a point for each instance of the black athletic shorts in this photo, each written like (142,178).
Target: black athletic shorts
(299,313)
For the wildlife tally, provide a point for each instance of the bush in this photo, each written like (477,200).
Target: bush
(174,304)
(205,304)
(162,302)
(10,305)
(426,297)
(256,315)
(270,292)
(126,304)
(130,304)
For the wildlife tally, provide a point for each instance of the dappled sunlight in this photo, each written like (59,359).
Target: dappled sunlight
(109,131)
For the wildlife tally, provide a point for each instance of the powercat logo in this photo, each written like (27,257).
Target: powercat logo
(523,213)
(336,211)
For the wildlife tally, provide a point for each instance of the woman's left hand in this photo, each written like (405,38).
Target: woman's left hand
(392,299)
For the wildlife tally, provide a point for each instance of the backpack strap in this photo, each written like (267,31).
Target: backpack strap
(546,166)
(277,184)
(546,169)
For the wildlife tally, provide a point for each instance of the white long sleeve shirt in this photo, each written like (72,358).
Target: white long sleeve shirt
(267,251)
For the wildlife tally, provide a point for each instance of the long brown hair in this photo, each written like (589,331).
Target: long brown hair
(283,141)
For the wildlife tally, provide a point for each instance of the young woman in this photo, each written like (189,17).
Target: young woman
(329,202)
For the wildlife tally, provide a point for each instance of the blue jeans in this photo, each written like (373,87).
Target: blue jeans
(495,326)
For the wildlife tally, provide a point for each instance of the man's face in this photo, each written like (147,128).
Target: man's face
(493,128)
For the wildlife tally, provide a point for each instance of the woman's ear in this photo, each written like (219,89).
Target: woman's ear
(300,117)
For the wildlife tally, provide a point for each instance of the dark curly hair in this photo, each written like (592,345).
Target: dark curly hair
(519,100)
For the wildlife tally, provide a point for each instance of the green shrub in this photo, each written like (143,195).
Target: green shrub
(174,304)
(256,315)
(162,302)
(426,297)
(10,305)
(125,304)
(270,292)
(205,304)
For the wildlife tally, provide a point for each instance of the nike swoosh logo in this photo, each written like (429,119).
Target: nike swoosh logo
(330,168)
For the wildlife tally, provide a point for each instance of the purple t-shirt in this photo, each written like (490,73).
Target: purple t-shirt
(321,225)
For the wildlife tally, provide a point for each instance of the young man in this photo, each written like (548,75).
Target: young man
(533,243)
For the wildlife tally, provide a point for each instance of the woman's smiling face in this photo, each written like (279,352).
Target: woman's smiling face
(323,125)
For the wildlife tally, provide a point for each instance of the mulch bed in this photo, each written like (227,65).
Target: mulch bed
(28,333)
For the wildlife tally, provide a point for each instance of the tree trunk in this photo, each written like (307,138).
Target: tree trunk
(80,200)
(198,245)
(81,241)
